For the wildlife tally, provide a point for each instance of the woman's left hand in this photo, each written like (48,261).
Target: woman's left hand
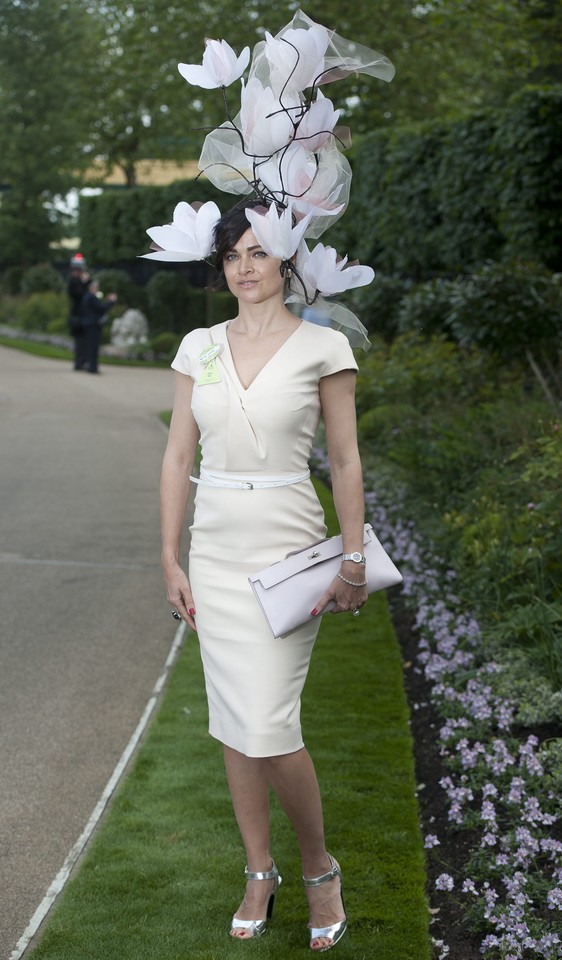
(341,597)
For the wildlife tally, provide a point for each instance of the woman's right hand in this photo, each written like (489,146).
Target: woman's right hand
(179,594)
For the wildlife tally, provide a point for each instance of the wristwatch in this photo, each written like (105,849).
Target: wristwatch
(356,557)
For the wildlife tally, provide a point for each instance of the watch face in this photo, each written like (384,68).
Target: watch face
(356,557)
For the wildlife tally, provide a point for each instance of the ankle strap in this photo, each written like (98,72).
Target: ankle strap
(268,875)
(326,877)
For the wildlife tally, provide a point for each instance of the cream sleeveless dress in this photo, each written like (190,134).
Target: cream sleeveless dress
(253,680)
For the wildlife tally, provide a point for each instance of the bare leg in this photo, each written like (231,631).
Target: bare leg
(293,779)
(249,789)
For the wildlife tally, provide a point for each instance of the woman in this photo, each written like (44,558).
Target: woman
(252,391)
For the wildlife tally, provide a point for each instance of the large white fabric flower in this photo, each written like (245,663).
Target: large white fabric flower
(275,232)
(317,123)
(296,58)
(291,173)
(220,67)
(189,236)
(321,270)
(266,127)
(316,184)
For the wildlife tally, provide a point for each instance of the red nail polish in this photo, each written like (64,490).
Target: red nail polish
(313,612)
(191,612)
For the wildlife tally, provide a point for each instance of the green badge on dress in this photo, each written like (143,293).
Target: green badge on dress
(208,358)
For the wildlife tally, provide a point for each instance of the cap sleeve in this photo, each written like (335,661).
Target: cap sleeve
(338,354)
(183,360)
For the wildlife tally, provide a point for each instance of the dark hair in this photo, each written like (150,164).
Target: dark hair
(231,226)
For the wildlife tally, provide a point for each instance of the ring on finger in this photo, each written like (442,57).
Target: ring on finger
(176,615)
(356,612)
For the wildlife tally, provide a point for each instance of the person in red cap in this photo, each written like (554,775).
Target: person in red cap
(77,286)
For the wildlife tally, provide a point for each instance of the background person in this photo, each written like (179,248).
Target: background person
(94,311)
(76,288)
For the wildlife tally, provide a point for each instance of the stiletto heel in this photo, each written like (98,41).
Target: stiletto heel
(256,928)
(336,931)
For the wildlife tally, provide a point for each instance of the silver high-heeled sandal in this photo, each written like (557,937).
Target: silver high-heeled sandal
(337,930)
(257,927)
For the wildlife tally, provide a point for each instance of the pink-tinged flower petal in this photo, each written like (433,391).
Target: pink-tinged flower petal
(292,173)
(317,123)
(266,127)
(313,185)
(322,271)
(275,232)
(296,57)
(189,236)
(220,67)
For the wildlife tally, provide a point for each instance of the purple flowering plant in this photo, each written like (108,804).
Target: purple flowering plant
(502,788)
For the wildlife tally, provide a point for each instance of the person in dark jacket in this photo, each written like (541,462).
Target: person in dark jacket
(76,288)
(94,311)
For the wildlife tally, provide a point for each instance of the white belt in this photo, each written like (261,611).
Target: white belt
(240,482)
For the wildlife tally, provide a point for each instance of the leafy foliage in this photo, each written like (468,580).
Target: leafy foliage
(113,225)
(169,300)
(507,307)
(129,294)
(39,310)
(482,456)
(41,278)
(44,79)
(528,144)
(447,197)
(504,308)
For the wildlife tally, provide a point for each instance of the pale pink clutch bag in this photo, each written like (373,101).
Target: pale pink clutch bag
(287,590)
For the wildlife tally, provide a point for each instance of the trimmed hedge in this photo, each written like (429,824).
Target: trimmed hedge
(441,199)
(113,225)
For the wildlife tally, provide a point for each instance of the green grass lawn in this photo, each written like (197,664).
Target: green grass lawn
(53,352)
(164,873)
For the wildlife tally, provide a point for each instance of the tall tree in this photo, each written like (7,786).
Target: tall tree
(43,118)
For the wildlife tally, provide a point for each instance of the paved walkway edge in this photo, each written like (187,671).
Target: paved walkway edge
(58,884)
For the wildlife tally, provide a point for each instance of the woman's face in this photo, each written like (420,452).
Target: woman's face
(251,274)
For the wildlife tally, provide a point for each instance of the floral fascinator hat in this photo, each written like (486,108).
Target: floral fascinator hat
(284,149)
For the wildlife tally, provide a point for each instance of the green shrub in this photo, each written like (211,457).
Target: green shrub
(113,225)
(9,306)
(165,345)
(427,307)
(41,309)
(528,146)
(378,305)
(508,545)
(445,198)
(423,373)
(118,281)
(466,194)
(221,307)
(169,298)
(10,280)
(40,279)
(58,326)
(506,307)
(481,456)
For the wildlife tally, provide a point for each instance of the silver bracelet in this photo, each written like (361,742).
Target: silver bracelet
(352,582)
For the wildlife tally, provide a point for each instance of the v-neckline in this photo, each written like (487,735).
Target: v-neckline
(266,364)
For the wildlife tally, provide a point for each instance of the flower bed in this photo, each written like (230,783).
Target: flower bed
(501,868)
(501,786)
